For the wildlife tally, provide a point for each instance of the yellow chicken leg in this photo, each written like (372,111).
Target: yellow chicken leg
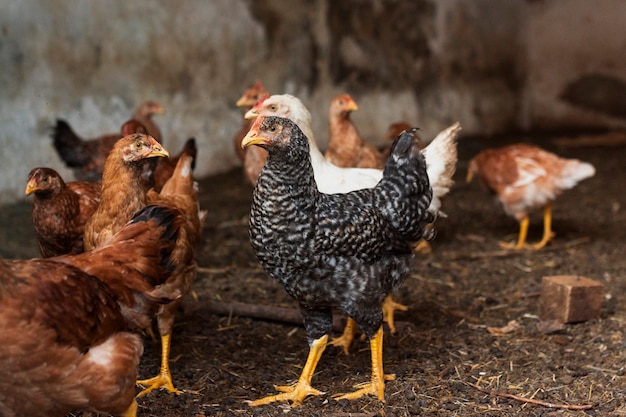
(389,306)
(346,338)
(377,384)
(521,240)
(423,246)
(131,411)
(548,234)
(164,378)
(297,393)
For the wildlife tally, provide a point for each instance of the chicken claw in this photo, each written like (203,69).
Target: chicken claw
(377,384)
(548,234)
(164,378)
(294,393)
(297,393)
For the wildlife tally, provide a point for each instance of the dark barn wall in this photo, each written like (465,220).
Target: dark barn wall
(496,66)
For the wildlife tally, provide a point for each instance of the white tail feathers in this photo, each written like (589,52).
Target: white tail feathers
(575,171)
(441,158)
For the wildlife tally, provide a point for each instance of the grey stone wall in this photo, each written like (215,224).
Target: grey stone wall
(496,66)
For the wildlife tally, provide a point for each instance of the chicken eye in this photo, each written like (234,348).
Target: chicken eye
(273,107)
(272,129)
(45,179)
(138,145)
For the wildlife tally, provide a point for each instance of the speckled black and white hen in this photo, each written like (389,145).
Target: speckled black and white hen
(343,251)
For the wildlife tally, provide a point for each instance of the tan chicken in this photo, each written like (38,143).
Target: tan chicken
(123,187)
(60,211)
(524,178)
(346,147)
(123,193)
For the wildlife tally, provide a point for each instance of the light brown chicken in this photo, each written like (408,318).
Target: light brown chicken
(346,147)
(86,156)
(60,211)
(123,187)
(65,322)
(524,178)
(123,192)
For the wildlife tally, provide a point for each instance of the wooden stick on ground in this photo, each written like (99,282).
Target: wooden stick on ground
(530,400)
(255,311)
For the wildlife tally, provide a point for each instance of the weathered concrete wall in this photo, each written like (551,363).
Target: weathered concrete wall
(576,65)
(495,66)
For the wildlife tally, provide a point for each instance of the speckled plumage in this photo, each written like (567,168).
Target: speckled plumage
(345,251)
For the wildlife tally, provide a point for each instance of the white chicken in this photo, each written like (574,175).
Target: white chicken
(330,178)
(440,155)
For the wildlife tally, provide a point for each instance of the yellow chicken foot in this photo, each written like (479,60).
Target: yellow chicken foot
(389,306)
(423,246)
(131,411)
(548,234)
(377,384)
(521,240)
(164,378)
(346,338)
(297,393)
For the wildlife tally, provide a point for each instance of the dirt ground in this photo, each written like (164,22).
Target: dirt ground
(447,358)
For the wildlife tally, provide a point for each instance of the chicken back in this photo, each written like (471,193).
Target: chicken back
(65,342)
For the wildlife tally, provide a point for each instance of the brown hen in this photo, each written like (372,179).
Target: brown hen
(123,187)
(524,178)
(65,320)
(123,192)
(86,156)
(179,191)
(346,147)
(60,211)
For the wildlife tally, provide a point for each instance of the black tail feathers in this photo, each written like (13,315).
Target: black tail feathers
(68,145)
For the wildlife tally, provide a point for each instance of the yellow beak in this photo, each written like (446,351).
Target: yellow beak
(253,138)
(251,114)
(352,106)
(158,149)
(31,187)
